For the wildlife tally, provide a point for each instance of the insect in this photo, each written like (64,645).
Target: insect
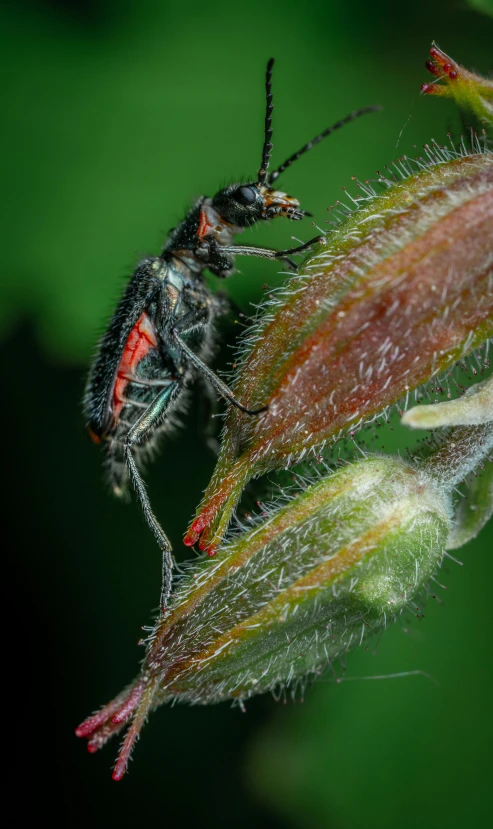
(159,338)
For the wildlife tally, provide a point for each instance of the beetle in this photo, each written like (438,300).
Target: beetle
(159,337)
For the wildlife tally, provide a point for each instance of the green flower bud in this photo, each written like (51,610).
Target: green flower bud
(474,408)
(279,603)
(463,456)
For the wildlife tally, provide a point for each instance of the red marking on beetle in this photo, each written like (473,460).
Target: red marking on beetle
(94,437)
(204,226)
(140,341)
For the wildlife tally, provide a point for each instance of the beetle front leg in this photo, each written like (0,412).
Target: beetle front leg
(267,253)
(145,425)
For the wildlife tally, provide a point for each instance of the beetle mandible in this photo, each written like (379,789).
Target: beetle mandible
(160,334)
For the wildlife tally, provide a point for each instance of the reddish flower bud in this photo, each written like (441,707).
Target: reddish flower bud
(469,90)
(398,293)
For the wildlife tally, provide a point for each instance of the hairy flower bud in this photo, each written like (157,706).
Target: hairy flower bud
(397,293)
(319,575)
(470,91)
(472,409)
(463,456)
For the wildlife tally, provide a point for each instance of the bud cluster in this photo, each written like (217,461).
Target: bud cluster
(399,292)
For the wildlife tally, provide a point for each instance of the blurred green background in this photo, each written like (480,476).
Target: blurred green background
(116,115)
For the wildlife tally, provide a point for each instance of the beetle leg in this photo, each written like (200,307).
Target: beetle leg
(315,241)
(267,253)
(143,381)
(137,403)
(215,381)
(145,425)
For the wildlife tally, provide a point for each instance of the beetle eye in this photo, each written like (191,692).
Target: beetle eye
(245,195)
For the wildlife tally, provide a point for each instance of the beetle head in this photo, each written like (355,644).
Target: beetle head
(245,204)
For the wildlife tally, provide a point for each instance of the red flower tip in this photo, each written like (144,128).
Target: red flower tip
(440,59)
(199,524)
(191,538)
(135,703)
(92,723)
(442,67)
(433,89)
(469,90)
(432,67)
(195,531)
(118,772)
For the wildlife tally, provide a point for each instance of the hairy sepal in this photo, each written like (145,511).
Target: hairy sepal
(334,565)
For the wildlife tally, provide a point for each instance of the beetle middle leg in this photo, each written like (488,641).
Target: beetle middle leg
(221,387)
(187,324)
(144,426)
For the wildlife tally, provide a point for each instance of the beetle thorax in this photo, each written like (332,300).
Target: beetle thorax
(213,225)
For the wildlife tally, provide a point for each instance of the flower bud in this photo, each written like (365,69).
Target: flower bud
(474,408)
(398,292)
(279,603)
(470,91)
(464,456)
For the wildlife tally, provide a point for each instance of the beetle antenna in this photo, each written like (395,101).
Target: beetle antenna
(267,149)
(318,138)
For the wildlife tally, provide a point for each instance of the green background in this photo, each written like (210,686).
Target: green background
(115,115)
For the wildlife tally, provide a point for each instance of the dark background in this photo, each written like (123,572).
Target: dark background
(115,115)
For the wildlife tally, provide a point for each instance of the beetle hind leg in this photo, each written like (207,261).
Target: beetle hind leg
(116,466)
(140,431)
